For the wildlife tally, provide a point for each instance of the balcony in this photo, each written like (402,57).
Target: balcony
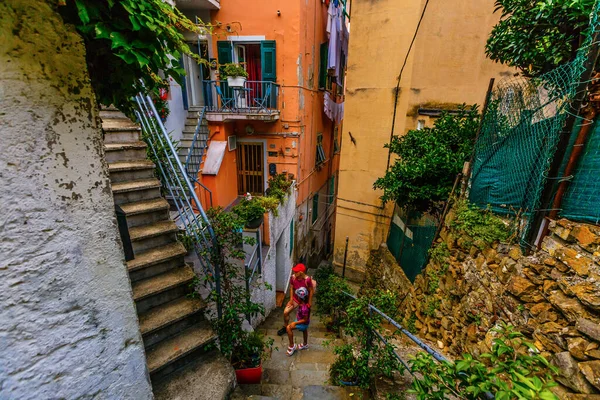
(256,100)
(185,5)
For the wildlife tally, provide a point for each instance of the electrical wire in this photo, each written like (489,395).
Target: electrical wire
(412,42)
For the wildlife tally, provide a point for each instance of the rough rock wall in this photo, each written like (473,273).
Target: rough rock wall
(69,327)
(552,296)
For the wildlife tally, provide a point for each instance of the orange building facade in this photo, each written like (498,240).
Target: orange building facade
(276,122)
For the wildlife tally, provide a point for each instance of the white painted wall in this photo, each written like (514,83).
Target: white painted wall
(68,326)
(176,119)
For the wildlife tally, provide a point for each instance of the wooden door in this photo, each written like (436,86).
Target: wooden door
(250,166)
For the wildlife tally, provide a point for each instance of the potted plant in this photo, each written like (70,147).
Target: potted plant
(250,210)
(247,357)
(235,73)
(344,370)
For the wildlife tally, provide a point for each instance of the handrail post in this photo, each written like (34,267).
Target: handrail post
(345,257)
(259,250)
(247,275)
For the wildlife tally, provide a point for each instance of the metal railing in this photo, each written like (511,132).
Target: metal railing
(416,340)
(177,185)
(195,154)
(253,265)
(255,97)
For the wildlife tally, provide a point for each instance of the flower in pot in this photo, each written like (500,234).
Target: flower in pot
(248,355)
(251,211)
(235,73)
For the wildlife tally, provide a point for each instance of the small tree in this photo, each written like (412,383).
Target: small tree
(429,160)
(538,36)
(241,348)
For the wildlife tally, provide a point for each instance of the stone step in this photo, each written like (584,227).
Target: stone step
(149,236)
(112,116)
(161,289)
(125,151)
(170,354)
(122,171)
(168,319)
(146,211)
(156,261)
(210,377)
(138,190)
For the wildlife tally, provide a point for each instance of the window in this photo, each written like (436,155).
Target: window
(323,77)
(315,208)
(263,52)
(420,124)
(331,194)
(320,153)
(336,146)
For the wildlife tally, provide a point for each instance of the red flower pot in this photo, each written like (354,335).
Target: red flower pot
(248,376)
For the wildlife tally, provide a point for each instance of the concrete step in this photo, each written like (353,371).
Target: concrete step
(161,289)
(168,319)
(112,114)
(169,355)
(125,151)
(122,171)
(210,377)
(153,235)
(120,130)
(156,261)
(146,211)
(138,190)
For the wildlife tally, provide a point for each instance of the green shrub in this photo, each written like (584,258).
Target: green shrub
(479,224)
(249,209)
(233,70)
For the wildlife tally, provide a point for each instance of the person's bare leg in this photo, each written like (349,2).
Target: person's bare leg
(290,333)
(305,334)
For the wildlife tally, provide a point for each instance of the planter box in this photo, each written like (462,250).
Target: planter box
(236,81)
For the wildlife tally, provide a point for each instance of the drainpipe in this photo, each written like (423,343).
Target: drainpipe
(582,137)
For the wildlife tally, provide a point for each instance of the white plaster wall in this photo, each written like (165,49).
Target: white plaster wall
(177,115)
(68,324)
(279,228)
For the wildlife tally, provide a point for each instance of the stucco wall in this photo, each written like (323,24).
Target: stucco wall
(69,327)
(446,65)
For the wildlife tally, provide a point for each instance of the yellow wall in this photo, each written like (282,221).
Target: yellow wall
(447,65)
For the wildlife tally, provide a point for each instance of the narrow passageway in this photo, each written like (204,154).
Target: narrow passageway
(304,375)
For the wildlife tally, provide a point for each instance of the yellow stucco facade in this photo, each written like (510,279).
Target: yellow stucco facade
(447,66)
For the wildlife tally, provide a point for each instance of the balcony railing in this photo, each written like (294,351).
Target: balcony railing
(255,97)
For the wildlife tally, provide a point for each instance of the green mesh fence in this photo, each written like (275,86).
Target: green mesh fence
(410,244)
(582,200)
(519,135)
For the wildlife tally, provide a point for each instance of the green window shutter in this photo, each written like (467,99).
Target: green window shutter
(331,189)
(268,60)
(324,53)
(224,51)
(315,208)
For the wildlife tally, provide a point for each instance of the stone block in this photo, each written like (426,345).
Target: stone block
(577,261)
(515,253)
(551,244)
(586,237)
(577,347)
(588,328)
(571,308)
(569,373)
(588,293)
(591,371)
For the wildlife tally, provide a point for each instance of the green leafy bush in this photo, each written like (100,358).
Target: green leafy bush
(479,224)
(279,186)
(538,36)
(428,160)
(331,288)
(511,370)
(249,209)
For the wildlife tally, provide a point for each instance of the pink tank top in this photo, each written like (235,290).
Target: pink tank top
(306,282)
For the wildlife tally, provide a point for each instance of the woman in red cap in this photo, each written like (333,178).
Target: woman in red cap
(299,279)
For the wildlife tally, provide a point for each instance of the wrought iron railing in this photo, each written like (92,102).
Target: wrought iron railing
(413,338)
(196,153)
(253,265)
(260,97)
(179,188)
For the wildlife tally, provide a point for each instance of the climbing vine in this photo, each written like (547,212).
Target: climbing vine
(129,42)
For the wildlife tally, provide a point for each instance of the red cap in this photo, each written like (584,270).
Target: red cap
(299,268)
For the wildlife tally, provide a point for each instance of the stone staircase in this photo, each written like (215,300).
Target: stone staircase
(173,327)
(189,129)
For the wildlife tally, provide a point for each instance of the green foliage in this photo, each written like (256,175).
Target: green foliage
(410,322)
(538,36)
(479,224)
(280,186)
(429,160)
(233,70)
(431,306)
(331,288)
(249,209)
(512,370)
(270,204)
(129,41)
(440,253)
(243,349)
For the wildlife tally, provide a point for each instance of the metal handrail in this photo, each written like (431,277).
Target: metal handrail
(195,154)
(175,181)
(416,340)
(249,275)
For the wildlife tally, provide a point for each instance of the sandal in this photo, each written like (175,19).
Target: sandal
(292,350)
(282,331)
(303,346)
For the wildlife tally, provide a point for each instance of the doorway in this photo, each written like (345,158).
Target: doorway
(196,74)
(250,168)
